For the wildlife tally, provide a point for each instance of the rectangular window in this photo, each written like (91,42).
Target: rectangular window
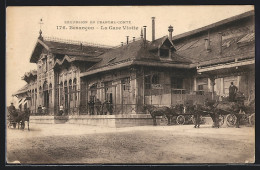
(176,83)
(126,83)
(164,53)
(147,82)
(202,84)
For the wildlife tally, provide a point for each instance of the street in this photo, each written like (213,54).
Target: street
(82,144)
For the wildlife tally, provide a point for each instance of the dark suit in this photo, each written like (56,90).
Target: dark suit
(197,118)
(232,93)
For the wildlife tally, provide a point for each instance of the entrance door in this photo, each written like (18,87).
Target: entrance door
(46,99)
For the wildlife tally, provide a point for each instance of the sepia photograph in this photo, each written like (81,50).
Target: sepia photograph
(130,85)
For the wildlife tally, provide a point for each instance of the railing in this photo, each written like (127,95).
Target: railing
(96,109)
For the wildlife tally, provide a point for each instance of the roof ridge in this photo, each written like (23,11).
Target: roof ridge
(75,42)
(215,24)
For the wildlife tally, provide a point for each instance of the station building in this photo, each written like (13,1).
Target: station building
(170,70)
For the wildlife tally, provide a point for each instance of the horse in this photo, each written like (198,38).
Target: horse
(159,111)
(216,108)
(207,109)
(19,117)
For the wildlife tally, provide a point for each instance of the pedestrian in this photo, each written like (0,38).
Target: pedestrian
(239,115)
(91,107)
(196,118)
(98,107)
(61,110)
(40,110)
(216,123)
(43,110)
(232,92)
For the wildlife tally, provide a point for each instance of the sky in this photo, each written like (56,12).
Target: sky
(22,28)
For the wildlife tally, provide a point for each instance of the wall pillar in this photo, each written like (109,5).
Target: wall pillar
(195,84)
(221,86)
(212,83)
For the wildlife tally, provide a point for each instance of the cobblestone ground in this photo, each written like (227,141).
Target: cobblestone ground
(80,144)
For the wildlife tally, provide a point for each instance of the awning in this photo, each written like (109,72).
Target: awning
(23,101)
(225,66)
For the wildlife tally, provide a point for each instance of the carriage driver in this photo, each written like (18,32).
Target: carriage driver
(13,110)
(196,116)
(232,92)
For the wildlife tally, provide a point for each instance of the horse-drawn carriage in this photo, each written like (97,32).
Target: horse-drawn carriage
(16,117)
(184,114)
(179,114)
(232,112)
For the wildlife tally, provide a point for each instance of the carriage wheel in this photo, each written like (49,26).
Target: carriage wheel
(252,119)
(231,120)
(180,120)
(164,121)
(221,120)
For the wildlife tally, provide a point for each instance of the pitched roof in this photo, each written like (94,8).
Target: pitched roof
(214,25)
(135,51)
(22,90)
(154,45)
(196,52)
(122,54)
(66,49)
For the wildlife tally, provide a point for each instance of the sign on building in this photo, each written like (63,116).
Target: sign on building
(157,86)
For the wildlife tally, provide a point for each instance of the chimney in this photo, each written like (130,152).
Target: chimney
(122,43)
(153,28)
(141,33)
(220,42)
(144,33)
(133,39)
(127,39)
(40,35)
(170,29)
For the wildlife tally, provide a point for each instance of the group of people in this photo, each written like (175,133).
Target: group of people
(98,108)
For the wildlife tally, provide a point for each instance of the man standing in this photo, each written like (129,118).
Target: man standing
(196,118)
(12,110)
(232,92)
(98,107)
(61,110)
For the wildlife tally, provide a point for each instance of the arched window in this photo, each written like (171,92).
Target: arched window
(50,93)
(65,95)
(75,88)
(61,93)
(35,91)
(32,97)
(155,79)
(70,90)
(45,86)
